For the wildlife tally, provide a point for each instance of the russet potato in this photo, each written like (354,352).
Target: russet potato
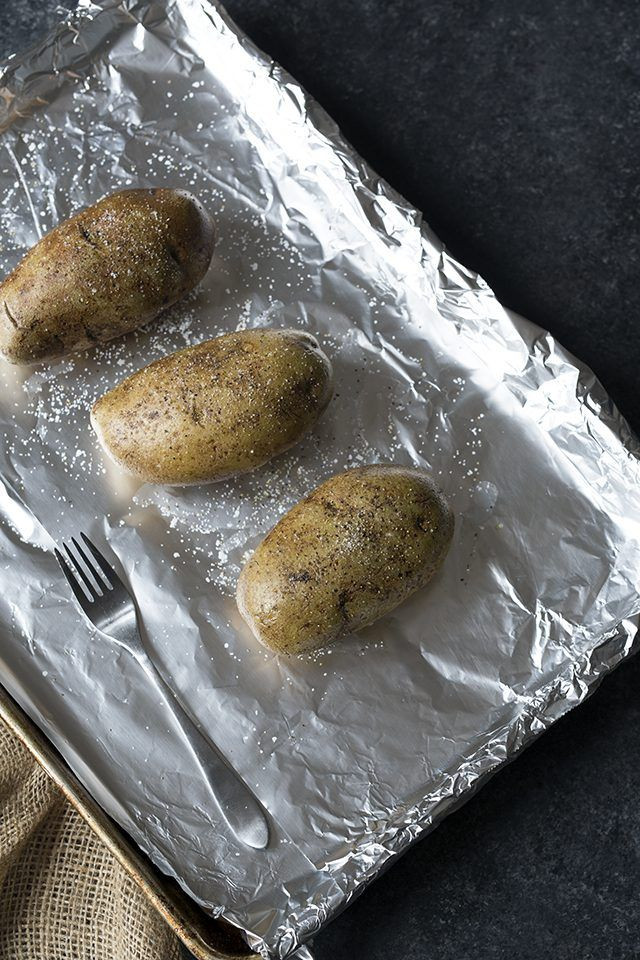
(346,555)
(104,272)
(217,409)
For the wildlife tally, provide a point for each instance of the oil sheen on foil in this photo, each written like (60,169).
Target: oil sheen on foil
(357,752)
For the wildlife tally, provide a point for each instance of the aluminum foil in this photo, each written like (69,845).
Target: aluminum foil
(358,752)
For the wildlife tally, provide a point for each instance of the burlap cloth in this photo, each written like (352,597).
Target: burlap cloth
(62,895)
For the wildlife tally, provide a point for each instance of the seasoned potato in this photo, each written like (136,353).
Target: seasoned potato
(215,410)
(344,556)
(103,273)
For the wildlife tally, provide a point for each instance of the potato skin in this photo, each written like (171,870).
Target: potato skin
(215,410)
(104,272)
(345,556)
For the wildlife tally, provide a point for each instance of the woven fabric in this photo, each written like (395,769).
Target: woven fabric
(62,894)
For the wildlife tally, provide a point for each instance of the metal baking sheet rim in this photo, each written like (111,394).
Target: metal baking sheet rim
(551,702)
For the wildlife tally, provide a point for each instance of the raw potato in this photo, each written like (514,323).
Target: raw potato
(344,556)
(215,410)
(104,272)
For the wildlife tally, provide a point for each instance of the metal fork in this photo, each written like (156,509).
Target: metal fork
(107,603)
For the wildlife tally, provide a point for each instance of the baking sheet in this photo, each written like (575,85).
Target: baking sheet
(357,752)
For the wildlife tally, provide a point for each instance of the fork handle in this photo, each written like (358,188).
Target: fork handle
(238,806)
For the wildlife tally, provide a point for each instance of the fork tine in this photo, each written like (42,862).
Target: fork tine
(70,577)
(77,566)
(110,574)
(92,567)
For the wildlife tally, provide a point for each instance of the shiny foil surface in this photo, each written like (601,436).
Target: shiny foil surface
(357,752)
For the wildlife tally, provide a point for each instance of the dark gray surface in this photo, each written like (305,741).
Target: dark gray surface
(515,127)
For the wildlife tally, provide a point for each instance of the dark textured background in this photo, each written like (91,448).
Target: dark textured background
(515,127)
